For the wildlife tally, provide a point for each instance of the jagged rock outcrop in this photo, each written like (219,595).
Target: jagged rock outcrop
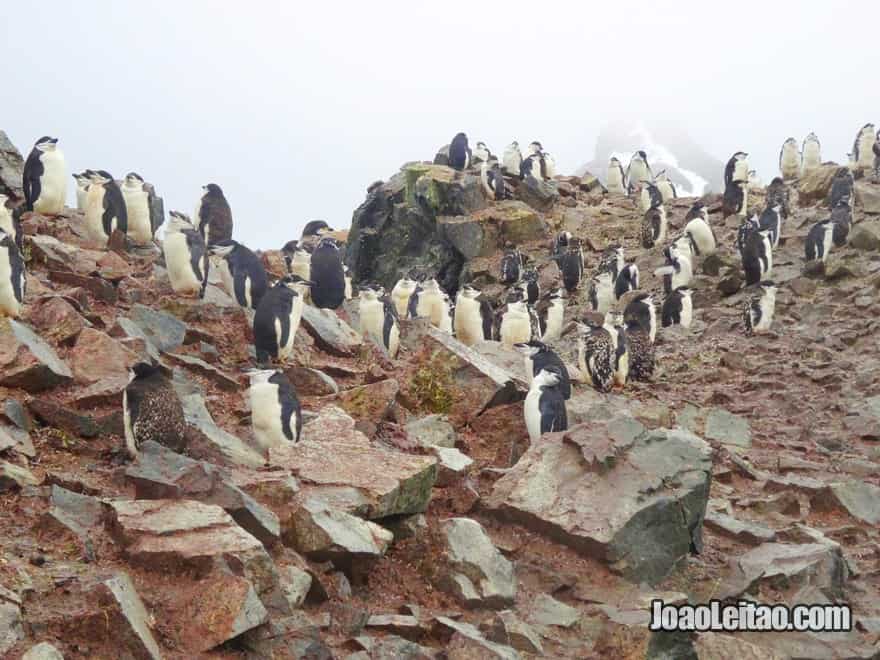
(11,168)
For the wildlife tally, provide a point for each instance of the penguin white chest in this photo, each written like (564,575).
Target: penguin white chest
(532,413)
(615,182)
(790,163)
(768,305)
(137,205)
(130,443)
(866,146)
(296,307)
(468,322)
(687,311)
(6,223)
(400,297)
(301,265)
(266,416)
(81,196)
(53,183)
(9,305)
(812,157)
(516,328)
(372,315)
(553,329)
(179,265)
(95,213)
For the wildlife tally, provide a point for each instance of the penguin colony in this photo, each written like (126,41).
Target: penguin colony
(615,341)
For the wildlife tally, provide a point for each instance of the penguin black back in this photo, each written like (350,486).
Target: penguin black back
(459,152)
(276,303)
(328,276)
(290,406)
(571,264)
(214,219)
(114,206)
(315,228)
(542,356)
(756,256)
(247,271)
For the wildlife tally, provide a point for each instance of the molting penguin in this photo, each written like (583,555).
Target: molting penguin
(186,256)
(820,238)
(481,153)
(459,152)
(105,208)
(529,286)
(678,308)
(702,235)
(512,159)
(538,356)
(596,356)
(736,199)
(213,216)
(811,156)
(137,196)
(746,227)
(601,292)
(778,194)
(379,320)
(638,172)
(511,265)
(298,259)
(737,168)
(13,277)
(841,216)
(757,256)
(665,187)
(616,177)
(771,220)
(678,271)
(473,316)
(612,260)
(627,280)
(401,294)
(841,188)
(241,271)
(515,323)
(551,314)
(276,415)
(863,148)
(615,326)
(151,410)
(790,160)
(758,309)
(544,407)
(571,264)
(493,180)
(277,318)
(82,189)
(640,351)
(10,221)
(328,277)
(641,312)
(45,178)
(654,227)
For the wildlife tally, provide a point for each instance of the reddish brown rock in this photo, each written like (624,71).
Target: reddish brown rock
(99,288)
(28,362)
(97,356)
(57,320)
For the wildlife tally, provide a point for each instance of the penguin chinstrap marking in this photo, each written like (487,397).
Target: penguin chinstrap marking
(276,414)
(811,154)
(151,410)
(327,275)
(429,301)
(819,240)
(138,196)
(551,315)
(515,324)
(537,356)
(277,318)
(512,159)
(473,316)
(82,189)
(105,208)
(678,308)
(459,152)
(758,309)
(615,326)
(678,271)
(596,357)
(790,160)
(757,256)
(401,294)
(186,256)
(241,271)
(379,320)
(615,180)
(298,259)
(13,277)
(544,407)
(44,179)
(213,215)
(736,169)
(638,172)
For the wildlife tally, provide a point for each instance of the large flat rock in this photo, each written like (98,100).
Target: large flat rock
(330,332)
(28,362)
(633,498)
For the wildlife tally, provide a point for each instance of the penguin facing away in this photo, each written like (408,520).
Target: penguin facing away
(459,152)
(561,243)
(678,308)
(790,160)
(654,227)
(186,256)
(529,286)
(315,229)
(616,177)
(779,195)
(640,312)
(697,210)
(512,159)
(841,188)
(213,216)
(44,178)
(596,356)
(105,207)
(13,277)
(473,316)
(327,275)
(537,357)
(571,264)
(841,217)
(819,240)
(151,410)
(136,195)
(277,318)
(242,272)
(511,265)
(544,407)
(757,256)
(758,309)
(276,414)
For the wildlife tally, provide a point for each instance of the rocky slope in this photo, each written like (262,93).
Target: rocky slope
(414,520)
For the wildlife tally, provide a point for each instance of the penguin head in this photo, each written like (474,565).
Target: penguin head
(684,291)
(614,162)
(531,348)
(46,143)
(467,291)
(482,145)
(739,155)
(133,178)
(767,287)
(261,376)
(513,145)
(790,142)
(530,275)
(661,176)
(328,243)
(178,221)
(315,228)
(534,148)
(295,283)
(643,155)
(141,370)
(603,278)
(223,248)
(371,292)
(81,179)
(549,376)
(429,284)
(613,319)
(100,177)
(212,190)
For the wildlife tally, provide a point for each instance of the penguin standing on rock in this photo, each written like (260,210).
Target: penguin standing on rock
(379,320)
(757,256)
(276,415)
(820,238)
(473,316)
(616,177)
(346,273)
(544,407)
(863,148)
(736,199)
(790,160)
(512,159)
(615,326)
(876,150)
(10,221)
(242,272)
(612,260)
(684,244)
(601,292)
(702,236)
(138,195)
(277,318)
(596,356)
(82,189)
(529,286)
(640,312)
(459,152)
(401,294)
(654,227)
(842,187)
(44,178)
(811,154)
(758,309)
(678,271)
(678,308)
(213,216)
(779,195)
(327,275)
(447,314)
(493,180)
(105,208)
(746,227)
(563,241)
(665,187)
(650,197)
(298,259)
(771,221)
(697,210)
(151,410)
(538,356)
(186,256)
(638,172)
(736,169)
(428,301)
(511,265)
(641,352)
(627,280)
(534,165)
(13,277)
(514,325)
(571,264)
(841,216)
(481,153)
(551,314)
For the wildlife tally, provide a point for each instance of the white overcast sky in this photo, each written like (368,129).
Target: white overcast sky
(293,108)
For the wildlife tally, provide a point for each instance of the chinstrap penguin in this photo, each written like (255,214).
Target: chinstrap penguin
(627,280)
(13,277)
(551,315)
(459,152)
(544,407)
(45,178)
(678,308)
(790,160)
(186,256)
(277,318)
(640,311)
(137,196)
(819,240)
(863,148)
(242,272)
(105,208)
(493,180)
(401,294)
(758,309)
(512,264)
(276,414)
(678,271)
(596,356)
(654,227)
(811,154)
(601,292)
(327,275)
(638,172)
(473,316)
(10,222)
(512,159)
(616,177)
(537,357)
(757,256)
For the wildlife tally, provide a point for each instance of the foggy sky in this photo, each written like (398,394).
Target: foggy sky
(295,108)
